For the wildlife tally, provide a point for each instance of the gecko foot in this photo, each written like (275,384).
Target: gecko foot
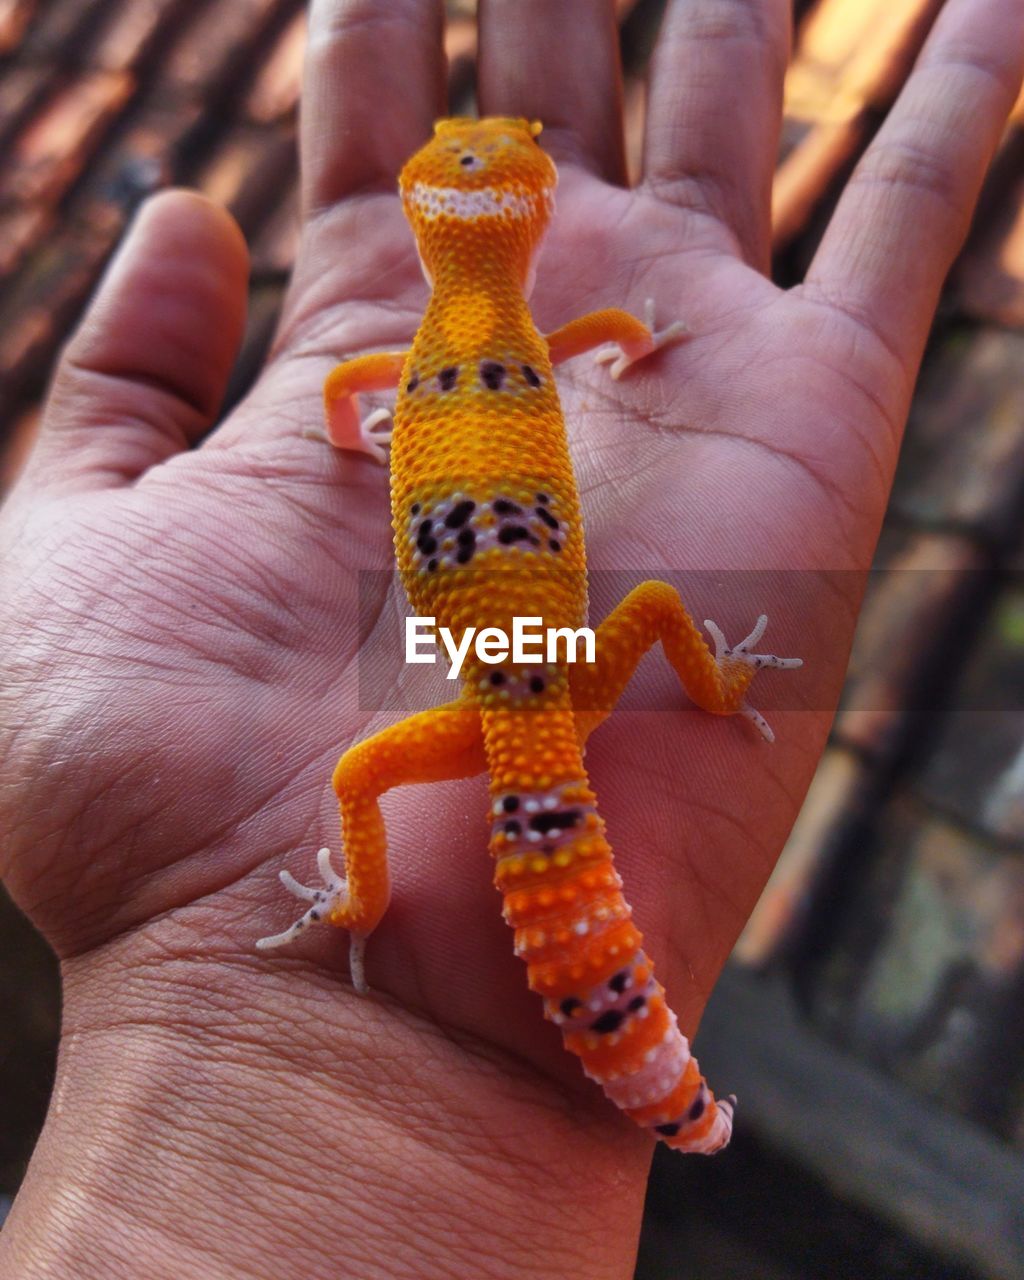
(346,431)
(324,902)
(741,653)
(621,355)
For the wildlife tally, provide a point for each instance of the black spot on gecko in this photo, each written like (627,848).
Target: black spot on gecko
(554,545)
(497,677)
(532,379)
(447,378)
(460,513)
(513,533)
(697,1107)
(492,375)
(426,544)
(431,565)
(619,982)
(637,1002)
(545,822)
(669,1130)
(547,517)
(415,509)
(542,497)
(537,684)
(609,1021)
(513,828)
(505,508)
(426,527)
(413,383)
(467,546)
(569,1005)
(511,803)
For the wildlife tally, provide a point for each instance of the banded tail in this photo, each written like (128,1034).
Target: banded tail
(574,929)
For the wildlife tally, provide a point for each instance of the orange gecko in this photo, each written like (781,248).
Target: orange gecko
(487,528)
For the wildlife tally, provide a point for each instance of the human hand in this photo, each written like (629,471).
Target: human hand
(181,627)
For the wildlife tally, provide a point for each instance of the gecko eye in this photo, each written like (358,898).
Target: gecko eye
(470,161)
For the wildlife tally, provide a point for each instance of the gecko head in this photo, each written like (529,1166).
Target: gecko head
(480,178)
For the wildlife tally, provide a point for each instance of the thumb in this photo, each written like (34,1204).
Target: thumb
(146,371)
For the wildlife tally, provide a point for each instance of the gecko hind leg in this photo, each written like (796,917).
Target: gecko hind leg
(717,682)
(743,656)
(333,895)
(437,745)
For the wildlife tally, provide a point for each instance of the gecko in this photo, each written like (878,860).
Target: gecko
(487,527)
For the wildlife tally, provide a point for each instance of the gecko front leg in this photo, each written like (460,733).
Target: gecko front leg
(622,339)
(343,427)
(621,354)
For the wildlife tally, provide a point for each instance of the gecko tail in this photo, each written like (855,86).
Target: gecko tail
(630,1043)
(574,929)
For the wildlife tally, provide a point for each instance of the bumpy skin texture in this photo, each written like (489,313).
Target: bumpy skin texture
(487,528)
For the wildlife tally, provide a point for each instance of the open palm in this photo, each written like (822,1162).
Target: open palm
(182,625)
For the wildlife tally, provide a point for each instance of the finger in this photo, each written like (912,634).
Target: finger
(906,209)
(374,84)
(714,113)
(145,374)
(557,63)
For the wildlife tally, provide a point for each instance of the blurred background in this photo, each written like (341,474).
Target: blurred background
(871,1018)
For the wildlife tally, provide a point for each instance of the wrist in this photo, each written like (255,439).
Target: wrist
(218,1118)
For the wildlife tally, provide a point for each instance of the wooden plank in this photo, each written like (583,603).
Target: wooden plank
(953,1188)
(849,64)
(909,635)
(835,802)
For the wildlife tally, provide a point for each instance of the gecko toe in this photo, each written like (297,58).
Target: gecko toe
(324,902)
